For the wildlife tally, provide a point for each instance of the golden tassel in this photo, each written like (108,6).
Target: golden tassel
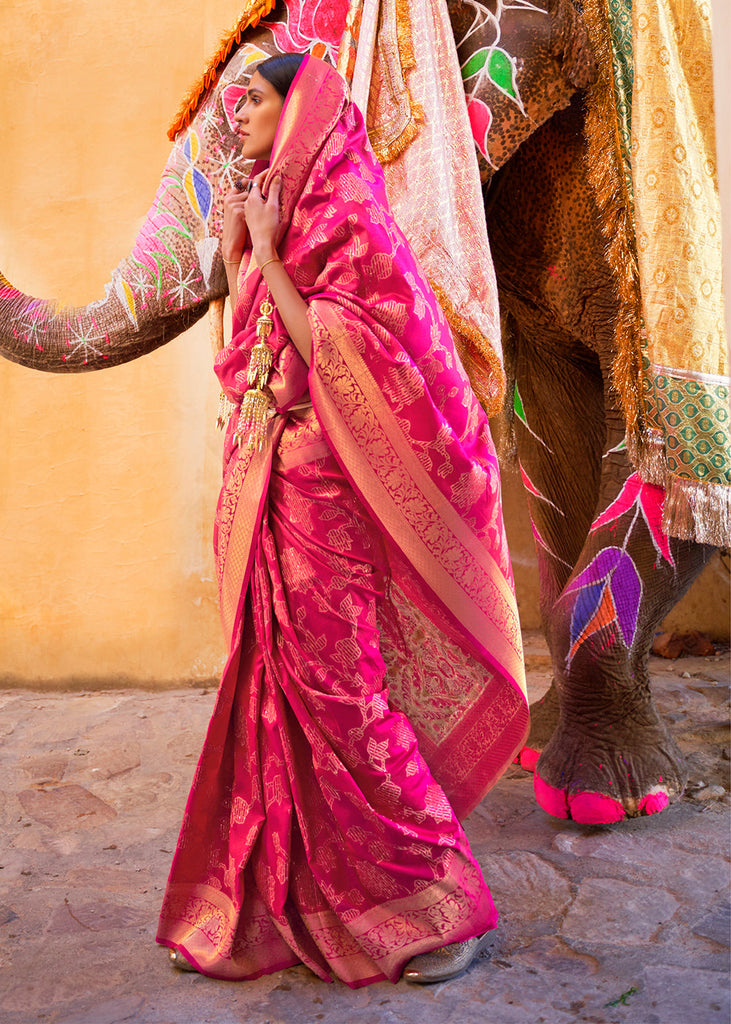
(255,404)
(253,419)
(226,409)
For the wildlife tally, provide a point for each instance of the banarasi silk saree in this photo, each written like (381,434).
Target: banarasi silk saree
(374,687)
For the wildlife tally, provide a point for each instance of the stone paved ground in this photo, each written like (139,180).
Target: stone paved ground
(617,924)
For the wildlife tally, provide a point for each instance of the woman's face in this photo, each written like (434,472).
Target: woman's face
(257,117)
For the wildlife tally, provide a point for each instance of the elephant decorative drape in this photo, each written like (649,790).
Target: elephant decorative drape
(657,184)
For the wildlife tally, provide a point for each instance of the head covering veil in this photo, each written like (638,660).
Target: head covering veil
(398,413)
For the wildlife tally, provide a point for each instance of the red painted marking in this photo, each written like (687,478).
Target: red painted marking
(552,800)
(654,802)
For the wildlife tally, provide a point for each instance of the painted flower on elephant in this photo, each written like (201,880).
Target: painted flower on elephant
(606,596)
(645,500)
(304,26)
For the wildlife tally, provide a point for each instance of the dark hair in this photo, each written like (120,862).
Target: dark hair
(279,71)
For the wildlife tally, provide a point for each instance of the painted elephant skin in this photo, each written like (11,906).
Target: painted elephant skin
(608,572)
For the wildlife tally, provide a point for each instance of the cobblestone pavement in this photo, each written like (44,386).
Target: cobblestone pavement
(615,924)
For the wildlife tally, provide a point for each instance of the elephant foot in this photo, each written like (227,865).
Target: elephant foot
(544,716)
(626,772)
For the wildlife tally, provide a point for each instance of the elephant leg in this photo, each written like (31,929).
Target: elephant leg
(611,757)
(554,435)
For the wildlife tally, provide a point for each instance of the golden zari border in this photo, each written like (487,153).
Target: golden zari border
(480,360)
(395,49)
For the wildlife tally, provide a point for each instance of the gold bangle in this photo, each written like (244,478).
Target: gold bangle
(231,263)
(272,259)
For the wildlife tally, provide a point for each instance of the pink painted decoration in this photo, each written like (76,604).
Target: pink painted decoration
(654,802)
(480,117)
(552,800)
(649,501)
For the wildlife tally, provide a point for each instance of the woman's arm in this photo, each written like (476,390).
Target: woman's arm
(233,241)
(262,220)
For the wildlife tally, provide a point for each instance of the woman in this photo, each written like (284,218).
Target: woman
(359,545)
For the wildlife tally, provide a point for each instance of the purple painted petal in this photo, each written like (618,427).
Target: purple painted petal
(626,588)
(615,569)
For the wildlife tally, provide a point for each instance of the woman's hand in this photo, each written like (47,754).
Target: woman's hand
(233,239)
(262,218)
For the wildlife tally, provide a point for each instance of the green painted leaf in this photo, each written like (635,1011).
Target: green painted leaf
(500,70)
(475,63)
(518,406)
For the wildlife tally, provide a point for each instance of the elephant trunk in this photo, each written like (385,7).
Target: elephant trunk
(41,335)
(175,269)
(167,282)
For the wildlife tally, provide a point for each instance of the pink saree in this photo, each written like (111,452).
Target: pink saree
(373,690)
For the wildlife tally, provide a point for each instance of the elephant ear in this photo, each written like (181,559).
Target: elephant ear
(520,64)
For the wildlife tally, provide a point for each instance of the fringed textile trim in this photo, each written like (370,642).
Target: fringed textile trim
(699,512)
(254,11)
(386,152)
(404,36)
(606,174)
(693,510)
(479,359)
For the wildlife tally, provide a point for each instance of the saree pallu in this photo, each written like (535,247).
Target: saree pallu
(315,832)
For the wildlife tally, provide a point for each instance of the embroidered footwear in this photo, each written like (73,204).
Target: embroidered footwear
(446,962)
(178,961)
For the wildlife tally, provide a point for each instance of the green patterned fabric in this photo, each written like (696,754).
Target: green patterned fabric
(693,416)
(620,37)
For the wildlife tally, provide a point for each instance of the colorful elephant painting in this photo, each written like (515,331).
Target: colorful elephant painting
(543,103)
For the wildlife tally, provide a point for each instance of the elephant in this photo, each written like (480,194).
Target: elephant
(609,571)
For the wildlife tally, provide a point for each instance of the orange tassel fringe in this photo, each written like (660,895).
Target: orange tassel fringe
(252,14)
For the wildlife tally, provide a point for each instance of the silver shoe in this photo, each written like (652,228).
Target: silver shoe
(178,961)
(446,962)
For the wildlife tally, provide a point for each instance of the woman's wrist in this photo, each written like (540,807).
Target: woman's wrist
(231,258)
(268,261)
(265,254)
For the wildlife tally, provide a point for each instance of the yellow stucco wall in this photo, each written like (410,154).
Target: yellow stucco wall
(108,480)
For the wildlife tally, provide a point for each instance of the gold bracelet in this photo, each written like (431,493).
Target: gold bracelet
(231,263)
(272,259)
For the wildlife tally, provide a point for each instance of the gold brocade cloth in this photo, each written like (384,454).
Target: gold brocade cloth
(661,214)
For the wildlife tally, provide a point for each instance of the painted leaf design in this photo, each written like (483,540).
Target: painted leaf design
(608,592)
(475,63)
(230,99)
(518,406)
(501,70)
(651,501)
(199,192)
(480,117)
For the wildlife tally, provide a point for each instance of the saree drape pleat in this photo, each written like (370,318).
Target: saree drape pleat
(315,831)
